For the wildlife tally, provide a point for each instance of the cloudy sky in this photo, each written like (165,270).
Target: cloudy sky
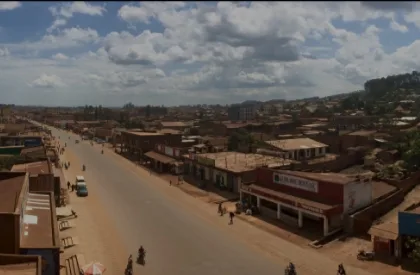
(110,53)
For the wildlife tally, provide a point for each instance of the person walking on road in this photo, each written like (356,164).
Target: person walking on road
(170,182)
(231,215)
(220,209)
(68,185)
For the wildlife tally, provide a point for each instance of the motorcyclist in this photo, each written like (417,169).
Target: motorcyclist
(291,268)
(341,270)
(142,252)
(130,262)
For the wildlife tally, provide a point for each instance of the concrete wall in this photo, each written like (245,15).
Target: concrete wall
(147,143)
(357,195)
(7,259)
(362,221)
(340,163)
(9,233)
(327,192)
(340,144)
(41,183)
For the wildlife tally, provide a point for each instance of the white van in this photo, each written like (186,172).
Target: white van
(80,179)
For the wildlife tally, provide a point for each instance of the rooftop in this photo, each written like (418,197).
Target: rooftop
(10,189)
(19,269)
(149,134)
(40,227)
(174,124)
(296,144)
(292,198)
(240,162)
(34,168)
(363,133)
(329,177)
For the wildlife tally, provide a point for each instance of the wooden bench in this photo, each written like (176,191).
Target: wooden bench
(69,242)
(65,225)
(74,264)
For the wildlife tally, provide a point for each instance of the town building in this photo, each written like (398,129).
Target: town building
(272,109)
(24,140)
(408,228)
(138,143)
(228,170)
(298,148)
(241,112)
(20,264)
(175,125)
(42,177)
(353,122)
(321,199)
(167,158)
(28,221)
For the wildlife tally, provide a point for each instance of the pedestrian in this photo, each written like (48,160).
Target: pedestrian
(170,182)
(68,185)
(219,209)
(72,187)
(231,215)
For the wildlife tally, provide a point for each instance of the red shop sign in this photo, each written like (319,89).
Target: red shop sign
(310,208)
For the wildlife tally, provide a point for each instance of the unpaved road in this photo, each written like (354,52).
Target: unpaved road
(181,234)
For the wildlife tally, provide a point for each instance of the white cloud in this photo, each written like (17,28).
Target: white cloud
(217,53)
(66,11)
(4,52)
(56,24)
(398,27)
(414,18)
(48,82)
(60,56)
(7,6)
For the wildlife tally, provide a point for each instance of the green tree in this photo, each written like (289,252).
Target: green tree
(413,245)
(238,138)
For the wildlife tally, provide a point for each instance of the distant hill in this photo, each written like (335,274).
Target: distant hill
(385,87)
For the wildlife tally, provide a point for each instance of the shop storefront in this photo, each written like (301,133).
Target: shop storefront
(290,208)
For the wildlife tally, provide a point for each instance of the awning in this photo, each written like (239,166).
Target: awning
(159,157)
(312,206)
(388,231)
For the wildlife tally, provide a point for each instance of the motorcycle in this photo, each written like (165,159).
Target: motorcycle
(141,259)
(290,271)
(365,256)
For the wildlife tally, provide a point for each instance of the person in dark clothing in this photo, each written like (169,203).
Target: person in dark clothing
(68,185)
(231,215)
(221,209)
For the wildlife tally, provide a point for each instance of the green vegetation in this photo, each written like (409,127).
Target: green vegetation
(409,147)
(242,138)
(382,95)
(413,245)
(238,138)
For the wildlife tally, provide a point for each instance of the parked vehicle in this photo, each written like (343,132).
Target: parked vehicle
(81,188)
(365,256)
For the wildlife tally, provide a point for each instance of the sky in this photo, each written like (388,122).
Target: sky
(177,53)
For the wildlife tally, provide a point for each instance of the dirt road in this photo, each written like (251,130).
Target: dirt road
(181,234)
